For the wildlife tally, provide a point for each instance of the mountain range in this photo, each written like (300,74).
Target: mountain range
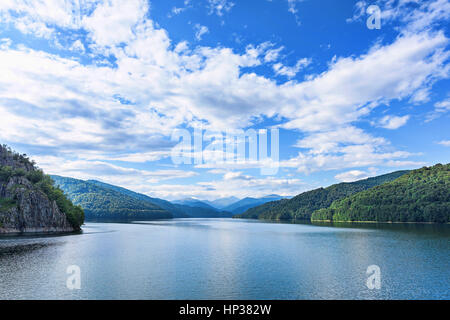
(302,206)
(247,203)
(232,204)
(221,202)
(105,201)
(422,195)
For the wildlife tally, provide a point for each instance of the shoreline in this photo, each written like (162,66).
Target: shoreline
(332,221)
(384,222)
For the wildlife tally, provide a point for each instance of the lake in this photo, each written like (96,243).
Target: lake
(229,259)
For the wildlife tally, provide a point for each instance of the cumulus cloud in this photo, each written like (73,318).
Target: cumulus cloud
(393,122)
(107,172)
(445,143)
(341,148)
(112,22)
(153,183)
(127,107)
(255,187)
(78,46)
(232,175)
(352,175)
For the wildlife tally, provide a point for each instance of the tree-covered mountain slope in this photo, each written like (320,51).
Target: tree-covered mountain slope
(203,212)
(106,203)
(247,203)
(303,205)
(177,210)
(29,202)
(166,205)
(102,200)
(421,195)
(194,203)
(221,202)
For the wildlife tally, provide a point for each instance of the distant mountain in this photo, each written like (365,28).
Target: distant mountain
(199,209)
(99,201)
(203,212)
(191,202)
(221,202)
(421,195)
(303,205)
(247,203)
(116,201)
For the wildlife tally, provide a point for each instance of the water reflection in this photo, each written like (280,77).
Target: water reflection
(229,259)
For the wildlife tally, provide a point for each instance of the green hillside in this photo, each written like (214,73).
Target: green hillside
(166,205)
(25,191)
(303,205)
(422,195)
(100,202)
(177,211)
(203,212)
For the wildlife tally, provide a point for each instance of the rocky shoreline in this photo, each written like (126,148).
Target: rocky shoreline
(24,208)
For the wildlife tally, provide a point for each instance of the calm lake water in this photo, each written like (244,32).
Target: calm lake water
(229,259)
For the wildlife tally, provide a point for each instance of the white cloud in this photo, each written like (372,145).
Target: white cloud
(353,175)
(291,72)
(200,31)
(254,187)
(393,122)
(127,177)
(273,54)
(349,157)
(220,7)
(65,107)
(416,15)
(440,108)
(78,46)
(359,11)
(424,17)
(341,148)
(112,22)
(354,86)
(177,10)
(37,17)
(292,8)
(443,106)
(332,141)
(445,143)
(233,175)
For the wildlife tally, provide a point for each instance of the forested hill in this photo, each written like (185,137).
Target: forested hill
(29,202)
(247,203)
(106,203)
(177,211)
(303,205)
(166,205)
(422,195)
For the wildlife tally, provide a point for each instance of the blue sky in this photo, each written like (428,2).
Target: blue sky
(95,89)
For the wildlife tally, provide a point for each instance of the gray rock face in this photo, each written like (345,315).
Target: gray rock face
(25,208)
(8,159)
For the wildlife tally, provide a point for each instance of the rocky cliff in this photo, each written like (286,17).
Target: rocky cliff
(24,204)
